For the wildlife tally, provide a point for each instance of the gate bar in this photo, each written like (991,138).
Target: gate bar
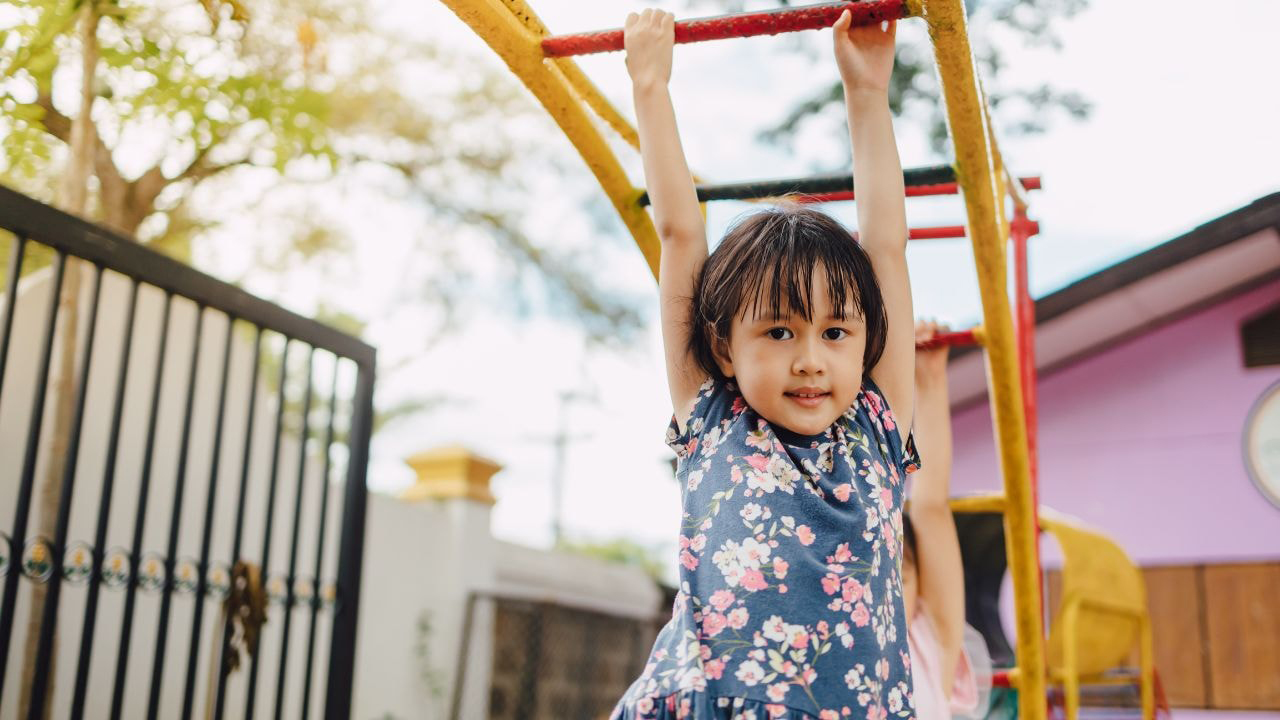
(49,615)
(221,657)
(104,510)
(10,301)
(269,520)
(342,644)
(175,520)
(27,479)
(324,509)
(293,540)
(202,580)
(739,25)
(144,492)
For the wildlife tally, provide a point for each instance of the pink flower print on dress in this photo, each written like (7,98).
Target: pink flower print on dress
(831,583)
(842,492)
(722,599)
(738,618)
(799,639)
(688,560)
(842,554)
(713,624)
(780,568)
(713,669)
(860,616)
(753,580)
(851,590)
(804,535)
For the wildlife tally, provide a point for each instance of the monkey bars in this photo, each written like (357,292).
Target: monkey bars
(738,25)
(978,174)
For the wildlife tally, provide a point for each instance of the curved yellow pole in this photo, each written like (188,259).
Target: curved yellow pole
(578,80)
(979,182)
(518,46)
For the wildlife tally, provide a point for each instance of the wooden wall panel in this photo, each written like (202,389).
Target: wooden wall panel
(1242,609)
(1177,611)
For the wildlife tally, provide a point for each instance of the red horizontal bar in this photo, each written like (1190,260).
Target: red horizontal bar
(1030,183)
(954,231)
(935,233)
(751,24)
(1000,678)
(951,339)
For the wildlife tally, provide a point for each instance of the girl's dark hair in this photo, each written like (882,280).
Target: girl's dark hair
(766,261)
(908,539)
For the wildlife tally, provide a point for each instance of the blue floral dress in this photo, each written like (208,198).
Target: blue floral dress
(790,597)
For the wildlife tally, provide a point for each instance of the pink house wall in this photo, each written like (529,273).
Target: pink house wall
(1143,441)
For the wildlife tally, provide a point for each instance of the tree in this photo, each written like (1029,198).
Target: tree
(179,97)
(914,91)
(302,94)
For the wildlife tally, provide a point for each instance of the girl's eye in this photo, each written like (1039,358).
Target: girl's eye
(835,333)
(779,333)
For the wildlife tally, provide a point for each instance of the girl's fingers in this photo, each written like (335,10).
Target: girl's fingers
(842,22)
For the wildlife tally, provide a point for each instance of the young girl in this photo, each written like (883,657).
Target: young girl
(932,572)
(785,349)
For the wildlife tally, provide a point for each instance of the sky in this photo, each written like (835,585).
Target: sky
(1183,130)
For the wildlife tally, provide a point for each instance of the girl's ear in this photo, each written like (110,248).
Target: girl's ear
(720,349)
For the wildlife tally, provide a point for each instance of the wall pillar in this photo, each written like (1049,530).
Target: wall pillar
(456,482)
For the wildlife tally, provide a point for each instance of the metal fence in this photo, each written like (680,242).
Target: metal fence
(257,529)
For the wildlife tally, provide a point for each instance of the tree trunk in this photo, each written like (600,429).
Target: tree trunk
(73,197)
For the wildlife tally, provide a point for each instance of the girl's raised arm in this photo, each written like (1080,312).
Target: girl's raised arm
(865,58)
(940,568)
(649,37)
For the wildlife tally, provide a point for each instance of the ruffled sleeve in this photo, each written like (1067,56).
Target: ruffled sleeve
(902,454)
(717,401)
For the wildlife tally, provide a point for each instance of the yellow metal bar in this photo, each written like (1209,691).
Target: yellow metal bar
(1146,665)
(578,80)
(977,178)
(1071,673)
(978,504)
(1013,185)
(512,39)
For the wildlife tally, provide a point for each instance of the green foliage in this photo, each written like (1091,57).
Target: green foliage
(299,114)
(622,551)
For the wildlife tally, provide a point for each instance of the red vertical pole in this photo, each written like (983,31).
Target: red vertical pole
(1020,230)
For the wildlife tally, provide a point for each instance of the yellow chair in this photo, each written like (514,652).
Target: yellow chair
(1103,610)
(1102,614)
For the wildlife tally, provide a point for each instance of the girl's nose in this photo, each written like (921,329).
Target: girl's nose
(808,360)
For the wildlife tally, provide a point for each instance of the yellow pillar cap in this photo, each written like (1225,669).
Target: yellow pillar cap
(451,472)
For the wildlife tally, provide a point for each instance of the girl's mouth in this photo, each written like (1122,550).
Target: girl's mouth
(807,397)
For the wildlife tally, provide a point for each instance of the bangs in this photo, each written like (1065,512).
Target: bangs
(777,274)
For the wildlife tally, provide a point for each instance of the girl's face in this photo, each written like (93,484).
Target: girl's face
(797,373)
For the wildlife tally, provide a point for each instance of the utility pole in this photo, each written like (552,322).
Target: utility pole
(560,441)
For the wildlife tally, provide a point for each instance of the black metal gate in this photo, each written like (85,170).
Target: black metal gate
(229,577)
